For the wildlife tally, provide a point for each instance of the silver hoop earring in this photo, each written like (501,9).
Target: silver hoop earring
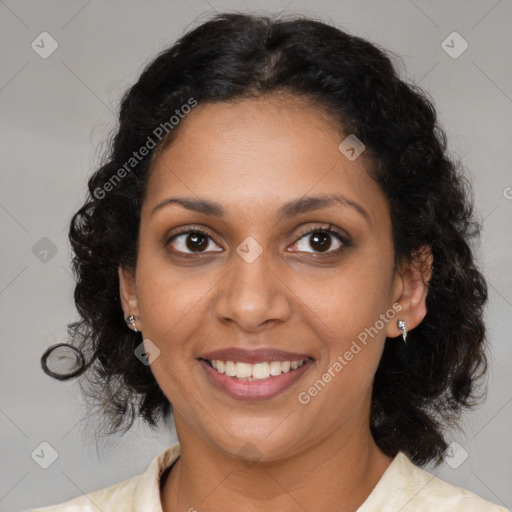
(130,320)
(401,326)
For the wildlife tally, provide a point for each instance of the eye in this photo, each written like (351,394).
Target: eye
(194,240)
(321,240)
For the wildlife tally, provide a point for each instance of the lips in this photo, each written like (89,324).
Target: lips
(251,388)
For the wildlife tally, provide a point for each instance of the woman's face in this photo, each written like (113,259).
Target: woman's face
(258,280)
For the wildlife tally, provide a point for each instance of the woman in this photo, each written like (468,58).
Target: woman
(278,245)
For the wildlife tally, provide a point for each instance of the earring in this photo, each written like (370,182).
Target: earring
(401,326)
(130,320)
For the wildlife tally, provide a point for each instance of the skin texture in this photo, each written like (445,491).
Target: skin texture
(252,156)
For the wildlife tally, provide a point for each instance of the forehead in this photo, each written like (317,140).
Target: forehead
(260,153)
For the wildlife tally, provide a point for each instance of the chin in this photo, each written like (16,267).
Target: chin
(264,444)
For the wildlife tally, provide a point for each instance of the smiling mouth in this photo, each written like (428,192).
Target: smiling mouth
(257,371)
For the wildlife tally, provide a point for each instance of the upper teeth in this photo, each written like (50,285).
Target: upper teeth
(255,371)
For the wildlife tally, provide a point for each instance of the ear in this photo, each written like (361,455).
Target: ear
(128,294)
(410,290)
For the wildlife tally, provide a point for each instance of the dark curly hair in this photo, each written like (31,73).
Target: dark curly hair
(419,388)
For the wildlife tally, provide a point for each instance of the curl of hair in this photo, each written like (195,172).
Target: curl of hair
(419,388)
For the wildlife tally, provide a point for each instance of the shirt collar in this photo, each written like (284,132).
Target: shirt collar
(400,483)
(147,492)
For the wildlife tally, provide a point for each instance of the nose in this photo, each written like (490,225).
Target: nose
(252,295)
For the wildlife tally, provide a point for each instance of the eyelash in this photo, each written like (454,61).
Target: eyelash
(316,229)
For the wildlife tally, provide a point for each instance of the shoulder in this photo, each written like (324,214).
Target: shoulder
(117,497)
(409,488)
(136,493)
(427,492)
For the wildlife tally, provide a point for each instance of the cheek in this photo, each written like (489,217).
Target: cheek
(171,305)
(350,300)
(165,290)
(352,333)
(354,312)
(172,311)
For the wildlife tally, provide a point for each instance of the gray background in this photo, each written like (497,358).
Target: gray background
(55,113)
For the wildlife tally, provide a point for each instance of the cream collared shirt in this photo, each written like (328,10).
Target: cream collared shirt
(403,487)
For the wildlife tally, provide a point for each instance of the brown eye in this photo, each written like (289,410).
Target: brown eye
(321,240)
(191,241)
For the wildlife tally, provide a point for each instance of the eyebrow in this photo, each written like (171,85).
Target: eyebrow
(292,208)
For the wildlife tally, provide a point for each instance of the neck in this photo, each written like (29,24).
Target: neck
(337,473)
